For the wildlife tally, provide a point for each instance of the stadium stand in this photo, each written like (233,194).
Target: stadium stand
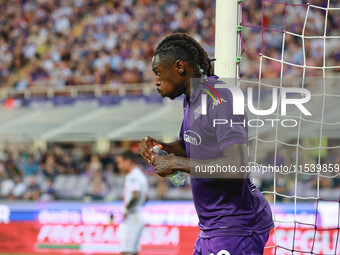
(92,41)
(62,43)
(71,173)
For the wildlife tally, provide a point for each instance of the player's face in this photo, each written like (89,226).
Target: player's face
(122,164)
(170,80)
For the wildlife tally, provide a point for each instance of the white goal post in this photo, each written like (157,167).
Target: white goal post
(226,38)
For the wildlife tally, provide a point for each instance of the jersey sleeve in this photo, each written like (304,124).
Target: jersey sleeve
(181,134)
(234,130)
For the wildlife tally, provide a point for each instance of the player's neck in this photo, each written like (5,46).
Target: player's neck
(187,91)
(131,168)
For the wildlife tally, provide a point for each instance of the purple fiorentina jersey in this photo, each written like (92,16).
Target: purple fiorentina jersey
(225,207)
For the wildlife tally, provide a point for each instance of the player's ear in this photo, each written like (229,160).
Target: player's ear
(180,67)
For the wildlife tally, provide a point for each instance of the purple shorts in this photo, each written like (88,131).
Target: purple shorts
(231,245)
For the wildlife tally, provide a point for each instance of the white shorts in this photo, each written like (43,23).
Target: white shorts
(130,232)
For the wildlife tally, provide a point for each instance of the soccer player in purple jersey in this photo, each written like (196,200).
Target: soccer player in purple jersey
(234,217)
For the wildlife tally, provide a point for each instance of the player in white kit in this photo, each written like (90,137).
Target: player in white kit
(135,195)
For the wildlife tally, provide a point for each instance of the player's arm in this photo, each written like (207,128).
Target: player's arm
(133,200)
(146,151)
(234,156)
(131,203)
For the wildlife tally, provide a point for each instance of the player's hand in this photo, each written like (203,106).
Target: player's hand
(145,149)
(164,164)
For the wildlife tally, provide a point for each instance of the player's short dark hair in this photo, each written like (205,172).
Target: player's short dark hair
(183,47)
(130,155)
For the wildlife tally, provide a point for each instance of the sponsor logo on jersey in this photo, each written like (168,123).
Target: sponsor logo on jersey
(192,137)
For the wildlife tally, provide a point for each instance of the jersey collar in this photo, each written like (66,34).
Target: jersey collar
(196,90)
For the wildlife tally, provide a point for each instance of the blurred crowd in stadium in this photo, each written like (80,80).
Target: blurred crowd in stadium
(303,42)
(76,172)
(78,42)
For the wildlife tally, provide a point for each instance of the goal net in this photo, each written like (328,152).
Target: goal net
(286,44)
